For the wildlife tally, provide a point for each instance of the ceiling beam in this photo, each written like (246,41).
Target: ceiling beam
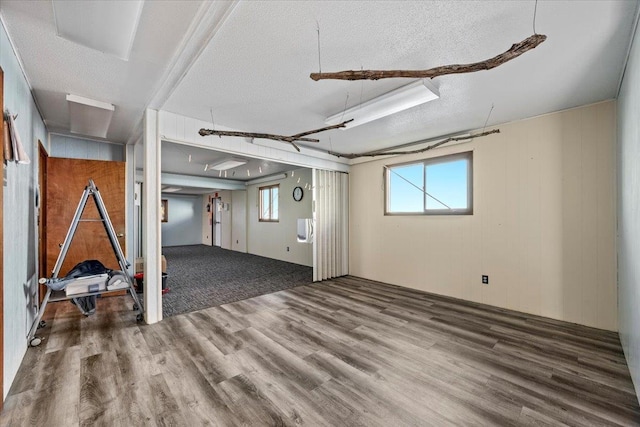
(210,17)
(178,180)
(184,130)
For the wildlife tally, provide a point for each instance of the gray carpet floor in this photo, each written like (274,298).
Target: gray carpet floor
(205,276)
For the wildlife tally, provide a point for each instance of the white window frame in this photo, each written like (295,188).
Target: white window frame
(467,155)
(269,217)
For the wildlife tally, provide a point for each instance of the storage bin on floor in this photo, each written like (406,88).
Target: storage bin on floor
(140,283)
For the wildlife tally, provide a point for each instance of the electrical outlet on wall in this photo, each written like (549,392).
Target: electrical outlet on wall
(485,279)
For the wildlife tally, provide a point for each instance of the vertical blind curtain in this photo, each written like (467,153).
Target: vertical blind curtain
(331,214)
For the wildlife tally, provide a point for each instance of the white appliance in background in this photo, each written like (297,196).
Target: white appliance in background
(305,230)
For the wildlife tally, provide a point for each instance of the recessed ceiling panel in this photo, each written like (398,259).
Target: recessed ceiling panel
(106,26)
(89,117)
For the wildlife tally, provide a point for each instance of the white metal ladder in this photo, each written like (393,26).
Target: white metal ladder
(90,190)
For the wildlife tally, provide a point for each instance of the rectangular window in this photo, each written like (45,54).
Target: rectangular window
(436,186)
(268,203)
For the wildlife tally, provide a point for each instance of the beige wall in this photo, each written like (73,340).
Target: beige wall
(543,227)
(206,225)
(225,219)
(271,239)
(239,220)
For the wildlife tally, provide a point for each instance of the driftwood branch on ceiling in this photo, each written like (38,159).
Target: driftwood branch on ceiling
(282,138)
(516,50)
(420,150)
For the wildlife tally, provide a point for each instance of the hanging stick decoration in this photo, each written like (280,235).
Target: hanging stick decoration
(516,50)
(421,150)
(282,138)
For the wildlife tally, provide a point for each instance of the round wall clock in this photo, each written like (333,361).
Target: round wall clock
(297,194)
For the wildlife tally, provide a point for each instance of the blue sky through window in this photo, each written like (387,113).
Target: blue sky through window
(446,181)
(404,197)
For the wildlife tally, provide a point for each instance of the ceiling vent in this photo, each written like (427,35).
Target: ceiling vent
(89,117)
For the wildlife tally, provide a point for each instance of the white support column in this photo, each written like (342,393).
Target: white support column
(151,219)
(314,215)
(130,207)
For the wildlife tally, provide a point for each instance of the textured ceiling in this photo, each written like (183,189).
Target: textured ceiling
(55,66)
(255,75)
(175,160)
(253,70)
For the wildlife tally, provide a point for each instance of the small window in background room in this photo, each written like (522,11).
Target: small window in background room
(436,186)
(268,203)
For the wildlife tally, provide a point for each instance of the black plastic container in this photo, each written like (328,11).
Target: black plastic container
(140,282)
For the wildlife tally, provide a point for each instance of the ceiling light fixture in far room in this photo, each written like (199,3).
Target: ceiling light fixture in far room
(105,26)
(395,101)
(88,116)
(228,164)
(171,189)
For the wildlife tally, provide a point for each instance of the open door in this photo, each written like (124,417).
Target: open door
(66,180)
(207,220)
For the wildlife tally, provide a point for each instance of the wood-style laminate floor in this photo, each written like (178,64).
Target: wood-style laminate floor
(347,352)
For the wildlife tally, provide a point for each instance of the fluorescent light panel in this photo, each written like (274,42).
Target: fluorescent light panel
(171,189)
(106,26)
(228,164)
(397,100)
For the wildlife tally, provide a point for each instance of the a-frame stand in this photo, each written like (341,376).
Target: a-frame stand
(53,296)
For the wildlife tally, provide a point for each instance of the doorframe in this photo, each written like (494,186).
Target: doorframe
(42,218)
(216,223)
(2,243)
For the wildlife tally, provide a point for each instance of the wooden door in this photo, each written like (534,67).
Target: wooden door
(65,183)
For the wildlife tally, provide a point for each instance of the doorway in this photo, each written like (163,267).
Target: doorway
(216,223)
(65,182)
(42,219)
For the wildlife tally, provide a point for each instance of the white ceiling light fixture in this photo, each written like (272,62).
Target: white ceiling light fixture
(228,164)
(106,26)
(88,116)
(392,102)
(171,189)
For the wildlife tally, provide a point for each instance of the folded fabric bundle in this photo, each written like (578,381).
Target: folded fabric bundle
(86,305)
(16,152)
(8,147)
